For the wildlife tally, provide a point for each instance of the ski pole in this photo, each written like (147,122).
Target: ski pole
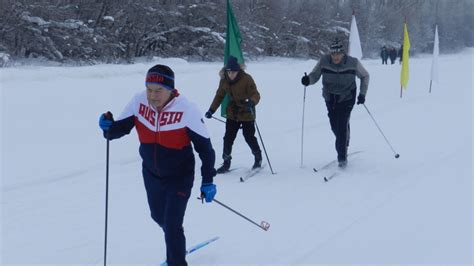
(396,154)
(263,225)
(108,115)
(106,198)
(263,145)
(261,140)
(302,124)
(220,120)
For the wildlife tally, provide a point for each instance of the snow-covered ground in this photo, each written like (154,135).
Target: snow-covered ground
(413,210)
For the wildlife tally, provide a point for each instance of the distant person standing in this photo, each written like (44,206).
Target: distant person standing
(244,96)
(339,71)
(384,55)
(393,54)
(400,54)
(167,123)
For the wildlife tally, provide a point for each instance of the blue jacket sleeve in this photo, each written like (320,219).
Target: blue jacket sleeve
(207,155)
(120,128)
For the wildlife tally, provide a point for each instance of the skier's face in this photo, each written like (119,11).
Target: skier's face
(337,57)
(232,74)
(157,95)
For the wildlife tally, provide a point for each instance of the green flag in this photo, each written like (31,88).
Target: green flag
(232,47)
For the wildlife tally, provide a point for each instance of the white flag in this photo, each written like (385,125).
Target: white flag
(355,49)
(434,65)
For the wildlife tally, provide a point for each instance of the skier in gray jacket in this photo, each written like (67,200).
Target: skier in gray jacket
(339,91)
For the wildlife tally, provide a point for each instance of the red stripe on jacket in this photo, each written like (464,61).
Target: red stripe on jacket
(173,139)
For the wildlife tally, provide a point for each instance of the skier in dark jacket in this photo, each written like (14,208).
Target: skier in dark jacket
(167,123)
(244,96)
(339,91)
(393,54)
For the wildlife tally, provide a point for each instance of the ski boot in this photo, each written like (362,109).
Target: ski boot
(224,167)
(258,160)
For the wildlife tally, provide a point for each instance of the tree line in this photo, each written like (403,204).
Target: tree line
(117,31)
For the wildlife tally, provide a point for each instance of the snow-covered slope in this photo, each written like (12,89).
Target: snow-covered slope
(413,210)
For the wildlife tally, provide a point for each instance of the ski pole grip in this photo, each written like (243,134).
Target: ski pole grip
(201,198)
(109,116)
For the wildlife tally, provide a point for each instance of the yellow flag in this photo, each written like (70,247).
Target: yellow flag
(405,57)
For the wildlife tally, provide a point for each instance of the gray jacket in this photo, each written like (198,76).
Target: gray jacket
(340,79)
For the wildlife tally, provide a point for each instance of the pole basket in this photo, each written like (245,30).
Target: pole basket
(265,225)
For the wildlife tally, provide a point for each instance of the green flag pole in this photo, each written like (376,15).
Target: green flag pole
(232,47)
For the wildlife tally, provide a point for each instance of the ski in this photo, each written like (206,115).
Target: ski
(329,177)
(201,245)
(326,166)
(230,170)
(251,173)
(195,248)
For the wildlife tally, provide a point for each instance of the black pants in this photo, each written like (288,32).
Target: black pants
(231,129)
(168,199)
(339,114)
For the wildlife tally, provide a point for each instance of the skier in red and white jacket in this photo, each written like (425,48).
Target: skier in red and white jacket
(167,123)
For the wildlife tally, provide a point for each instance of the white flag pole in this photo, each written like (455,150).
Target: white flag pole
(434,65)
(355,49)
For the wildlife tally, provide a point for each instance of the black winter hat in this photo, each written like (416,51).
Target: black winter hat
(336,46)
(232,64)
(162,75)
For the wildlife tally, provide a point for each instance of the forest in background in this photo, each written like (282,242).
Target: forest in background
(120,31)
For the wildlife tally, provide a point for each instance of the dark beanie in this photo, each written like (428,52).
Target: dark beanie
(162,75)
(336,46)
(232,64)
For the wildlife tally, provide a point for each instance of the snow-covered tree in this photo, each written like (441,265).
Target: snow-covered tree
(122,30)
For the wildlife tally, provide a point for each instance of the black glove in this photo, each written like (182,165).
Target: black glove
(361,99)
(305,80)
(208,114)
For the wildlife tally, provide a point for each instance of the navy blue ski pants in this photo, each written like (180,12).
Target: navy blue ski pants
(339,114)
(168,199)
